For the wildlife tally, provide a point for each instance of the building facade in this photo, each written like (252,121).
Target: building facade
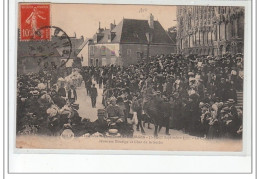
(209,30)
(128,42)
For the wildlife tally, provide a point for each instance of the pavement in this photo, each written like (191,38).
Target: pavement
(84,101)
(86,111)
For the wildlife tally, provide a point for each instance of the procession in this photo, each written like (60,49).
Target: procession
(196,95)
(134,78)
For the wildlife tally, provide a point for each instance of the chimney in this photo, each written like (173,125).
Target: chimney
(151,21)
(99,34)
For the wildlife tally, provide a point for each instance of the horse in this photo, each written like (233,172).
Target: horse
(155,112)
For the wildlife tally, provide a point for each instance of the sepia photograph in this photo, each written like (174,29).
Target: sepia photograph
(130,77)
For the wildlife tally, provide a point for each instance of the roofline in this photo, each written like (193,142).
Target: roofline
(149,44)
(105,43)
(35,56)
(135,43)
(139,19)
(84,46)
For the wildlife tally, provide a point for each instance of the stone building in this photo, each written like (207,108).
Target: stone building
(209,30)
(128,42)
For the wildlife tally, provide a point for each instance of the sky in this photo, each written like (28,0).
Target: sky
(83,19)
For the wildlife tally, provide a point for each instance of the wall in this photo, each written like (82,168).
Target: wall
(83,54)
(104,54)
(224,26)
(131,56)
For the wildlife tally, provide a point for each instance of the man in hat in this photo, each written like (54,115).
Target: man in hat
(72,94)
(235,124)
(113,110)
(93,95)
(100,125)
(62,91)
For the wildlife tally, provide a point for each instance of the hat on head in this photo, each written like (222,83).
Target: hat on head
(222,111)
(164,97)
(201,104)
(158,92)
(190,73)
(75,105)
(35,93)
(101,112)
(207,105)
(226,109)
(113,99)
(231,101)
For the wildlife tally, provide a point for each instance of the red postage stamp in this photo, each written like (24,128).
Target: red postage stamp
(32,18)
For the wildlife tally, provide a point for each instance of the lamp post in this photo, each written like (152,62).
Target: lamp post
(149,37)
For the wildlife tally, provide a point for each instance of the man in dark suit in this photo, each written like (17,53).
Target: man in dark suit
(93,95)
(72,94)
(62,91)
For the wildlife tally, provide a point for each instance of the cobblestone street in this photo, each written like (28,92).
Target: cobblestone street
(84,101)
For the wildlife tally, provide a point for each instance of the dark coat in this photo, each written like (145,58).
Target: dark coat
(74,92)
(62,92)
(93,92)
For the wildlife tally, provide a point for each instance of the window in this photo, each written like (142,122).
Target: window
(97,62)
(103,50)
(91,50)
(104,61)
(91,62)
(113,52)
(139,55)
(128,52)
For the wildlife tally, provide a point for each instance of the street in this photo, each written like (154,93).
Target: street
(86,111)
(84,101)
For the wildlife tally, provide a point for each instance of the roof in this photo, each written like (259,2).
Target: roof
(33,47)
(118,31)
(83,44)
(106,33)
(134,31)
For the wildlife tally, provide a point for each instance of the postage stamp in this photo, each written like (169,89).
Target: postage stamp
(131,77)
(32,17)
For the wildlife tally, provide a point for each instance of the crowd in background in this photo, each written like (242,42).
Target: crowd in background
(198,95)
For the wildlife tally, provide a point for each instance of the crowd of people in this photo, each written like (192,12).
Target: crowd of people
(195,94)
(48,108)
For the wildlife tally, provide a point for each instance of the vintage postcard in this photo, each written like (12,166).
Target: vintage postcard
(130,77)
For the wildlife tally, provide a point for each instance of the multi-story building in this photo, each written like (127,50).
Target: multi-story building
(208,30)
(127,43)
